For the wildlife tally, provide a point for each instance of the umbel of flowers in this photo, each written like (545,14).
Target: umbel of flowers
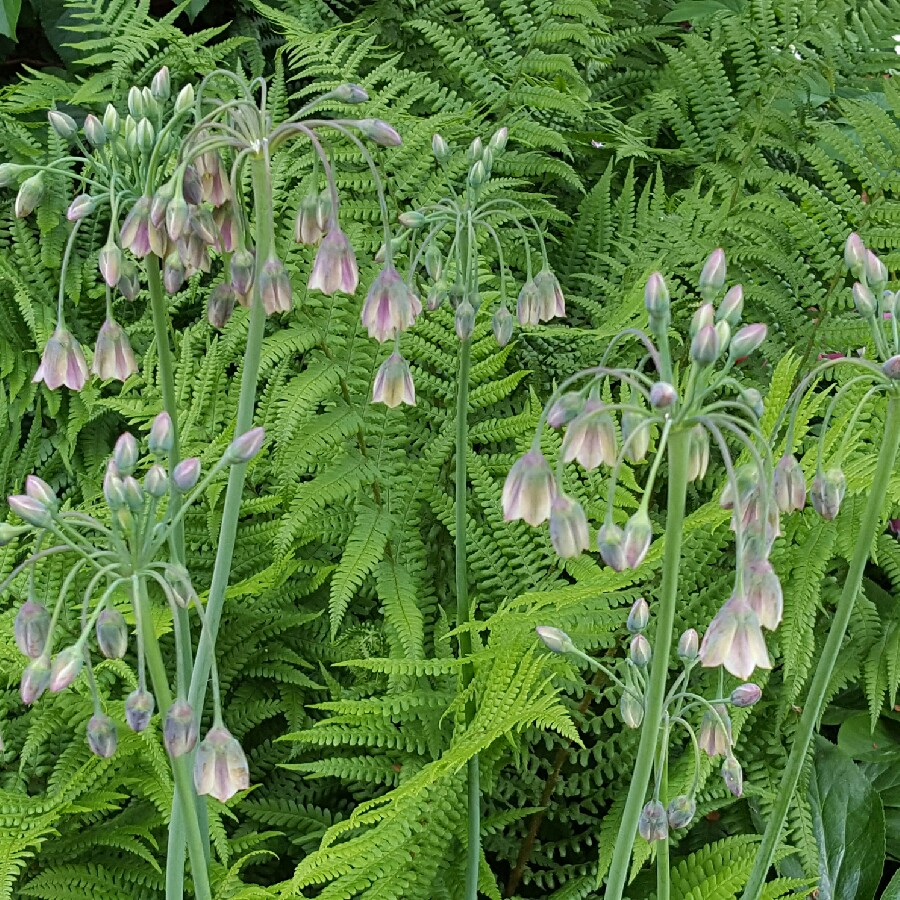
(445,243)
(680,410)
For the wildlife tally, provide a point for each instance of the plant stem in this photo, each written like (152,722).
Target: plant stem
(662,847)
(815,701)
(184,793)
(467,673)
(678,463)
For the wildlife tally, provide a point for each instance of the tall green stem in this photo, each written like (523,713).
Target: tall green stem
(473,857)
(812,709)
(678,469)
(190,828)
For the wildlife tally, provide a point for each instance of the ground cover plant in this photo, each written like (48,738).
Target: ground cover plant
(450,449)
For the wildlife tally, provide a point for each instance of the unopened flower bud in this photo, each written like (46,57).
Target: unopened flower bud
(475,150)
(411,219)
(502,324)
(80,208)
(162,435)
(855,254)
(653,824)
(31,628)
(440,148)
(179,729)
(177,217)
(35,679)
(712,278)
(125,453)
(656,295)
(715,732)
(568,527)
(827,493)
(173,273)
(186,473)
(243,448)
(635,435)
(351,93)
(9,173)
(733,776)
(8,533)
(753,399)
(477,174)
(746,695)
(638,534)
(705,346)
(136,102)
(134,495)
(731,307)
(662,395)
(464,320)
(610,543)
(631,710)
(145,135)
(864,300)
(681,812)
(688,645)
(102,736)
(876,271)
(112,633)
(747,339)
(62,124)
(109,261)
(30,510)
(891,368)
(723,332)
(39,490)
(66,668)
(139,709)
(698,452)
(639,616)
(498,140)
(704,316)
(161,85)
(242,271)
(555,639)
(380,132)
(640,651)
(30,195)
(111,121)
(789,484)
(185,99)
(565,408)
(156,481)
(220,305)
(113,488)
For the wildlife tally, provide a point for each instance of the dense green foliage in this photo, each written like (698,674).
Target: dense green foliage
(643,134)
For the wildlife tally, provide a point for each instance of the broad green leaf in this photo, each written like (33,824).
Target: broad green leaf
(9,17)
(848,824)
(892,891)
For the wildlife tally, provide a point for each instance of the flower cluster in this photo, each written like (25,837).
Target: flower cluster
(707,403)
(123,555)
(714,737)
(165,177)
(442,241)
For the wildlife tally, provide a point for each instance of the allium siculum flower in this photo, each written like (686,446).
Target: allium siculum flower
(653,824)
(715,732)
(139,709)
(591,437)
(827,493)
(102,736)
(551,303)
(390,306)
(611,544)
(135,233)
(31,627)
(394,383)
(735,640)
(220,766)
(113,356)
(35,679)
(528,306)
(62,362)
(307,229)
(335,266)
(789,484)
(529,489)
(568,527)
(762,589)
(275,287)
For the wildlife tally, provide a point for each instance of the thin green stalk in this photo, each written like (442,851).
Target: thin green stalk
(679,448)
(662,847)
(190,827)
(473,857)
(815,701)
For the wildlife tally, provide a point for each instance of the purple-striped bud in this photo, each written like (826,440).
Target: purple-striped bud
(139,709)
(555,639)
(220,305)
(30,510)
(855,254)
(220,767)
(610,543)
(688,645)
(789,484)
(528,306)
(747,339)
(161,85)
(35,679)
(186,473)
(656,295)
(638,616)
(704,316)
(733,776)
(502,325)
(631,710)
(864,300)
(640,651)
(109,261)
(39,490)
(715,732)
(746,695)
(591,437)
(551,302)
(243,448)
(162,435)
(135,233)
(662,395)
(705,346)
(113,488)
(712,278)
(380,132)
(66,668)
(565,408)
(192,187)
(134,495)
(876,271)
(242,264)
(827,493)
(112,633)
(64,125)
(334,268)
(81,207)
(125,453)
(731,307)
(653,824)
(638,534)
(113,356)
(464,320)
(156,481)
(31,628)
(568,527)
(440,148)
(390,306)
(179,729)
(102,735)
(394,384)
(173,273)
(529,489)
(681,812)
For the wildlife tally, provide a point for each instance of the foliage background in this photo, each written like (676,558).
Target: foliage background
(644,133)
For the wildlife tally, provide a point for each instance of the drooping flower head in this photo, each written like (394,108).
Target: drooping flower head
(62,362)
(390,306)
(394,383)
(529,489)
(220,766)
(335,266)
(735,640)
(113,356)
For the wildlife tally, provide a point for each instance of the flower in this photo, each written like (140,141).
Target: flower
(827,493)
(680,812)
(102,736)
(688,645)
(610,543)
(394,383)
(390,306)
(275,286)
(653,825)
(746,695)
(789,484)
(591,437)
(528,306)
(135,233)
(335,267)
(35,679)
(31,627)
(636,540)
(555,639)
(112,633)
(551,303)
(763,591)
(244,447)
(715,732)
(220,767)
(220,305)
(179,730)
(138,709)
(735,640)
(529,489)
(306,226)
(66,668)
(62,362)
(733,776)
(568,527)
(113,356)
(502,324)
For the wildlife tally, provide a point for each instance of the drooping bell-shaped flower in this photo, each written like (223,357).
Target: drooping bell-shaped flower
(715,732)
(394,383)
(335,266)
(591,437)
(220,766)
(306,226)
(611,544)
(733,776)
(735,640)
(220,305)
(31,627)
(35,679)
(698,453)
(139,709)
(242,264)
(746,695)
(102,735)
(275,286)
(680,812)
(528,306)
(762,589)
(635,436)
(135,233)
(113,356)
(390,306)
(653,824)
(565,408)
(529,489)
(827,493)
(502,324)
(789,484)
(179,729)
(179,581)
(568,527)
(112,633)
(637,537)
(551,303)
(62,362)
